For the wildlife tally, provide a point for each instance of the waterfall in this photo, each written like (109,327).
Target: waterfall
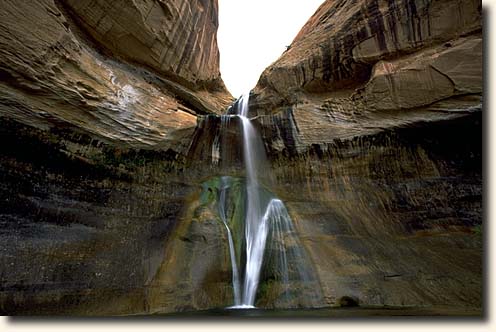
(256,229)
(266,224)
(223,215)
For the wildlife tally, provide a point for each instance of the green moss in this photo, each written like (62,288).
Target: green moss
(477,229)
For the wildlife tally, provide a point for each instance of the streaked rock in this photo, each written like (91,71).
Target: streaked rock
(54,75)
(359,67)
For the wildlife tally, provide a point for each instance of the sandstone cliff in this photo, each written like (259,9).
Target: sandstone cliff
(358,67)
(98,103)
(176,38)
(372,120)
(111,153)
(58,66)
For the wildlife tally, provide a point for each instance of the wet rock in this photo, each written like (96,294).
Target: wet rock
(361,118)
(404,204)
(96,120)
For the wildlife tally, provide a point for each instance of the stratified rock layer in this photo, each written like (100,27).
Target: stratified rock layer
(391,219)
(177,38)
(358,67)
(394,218)
(83,223)
(53,75)
(95,126)
(371,122)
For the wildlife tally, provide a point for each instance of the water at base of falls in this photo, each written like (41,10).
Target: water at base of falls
(241,307)
(266,222)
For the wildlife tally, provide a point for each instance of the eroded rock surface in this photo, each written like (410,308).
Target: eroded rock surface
(362,118)
(358,67)
(95,126)
(177,38)
(53,75)
(371,123)
(391,218)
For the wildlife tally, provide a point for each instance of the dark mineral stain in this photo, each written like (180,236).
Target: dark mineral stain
(376,24)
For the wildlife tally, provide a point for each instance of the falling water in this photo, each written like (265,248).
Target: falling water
(223,215)
(256,228)
(278,217)
(266,220)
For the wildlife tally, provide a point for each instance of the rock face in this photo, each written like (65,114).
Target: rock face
(98,104)
(56,75)
(390,219)
(84,223)
(361,118)
(393,218)
(176,38)
(112,151)
(358,67)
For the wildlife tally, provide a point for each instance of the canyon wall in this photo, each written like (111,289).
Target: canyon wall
(359,67)
(372,121)
(58,68)
(392,219)
(111,149)
(98,104)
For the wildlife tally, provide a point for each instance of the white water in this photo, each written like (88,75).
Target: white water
(256,229)
(279,219)
(232,252)
(263,217)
